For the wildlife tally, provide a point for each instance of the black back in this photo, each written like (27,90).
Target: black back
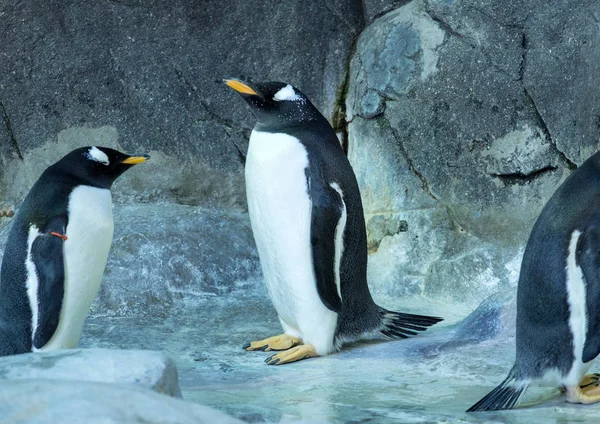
(543,335)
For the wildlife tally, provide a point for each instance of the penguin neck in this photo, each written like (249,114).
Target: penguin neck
(76,179)
(276,125)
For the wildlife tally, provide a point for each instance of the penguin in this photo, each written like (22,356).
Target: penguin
(558,296)
(57,250)
(307,219)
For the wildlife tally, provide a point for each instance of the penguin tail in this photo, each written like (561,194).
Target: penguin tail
(506,396)
(397,325)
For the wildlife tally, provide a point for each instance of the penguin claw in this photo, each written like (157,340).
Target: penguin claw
(294,354)
(246,345)
(280,342)
(271,361)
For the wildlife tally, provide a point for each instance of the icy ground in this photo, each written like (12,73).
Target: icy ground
(432,378)
(186,280)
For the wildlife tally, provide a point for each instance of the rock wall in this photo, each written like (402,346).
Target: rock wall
(150,71)
(460,118)
(464,116)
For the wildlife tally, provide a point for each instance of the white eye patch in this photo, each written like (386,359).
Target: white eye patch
(287,93)
(98,155)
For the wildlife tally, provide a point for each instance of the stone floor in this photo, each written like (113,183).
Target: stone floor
(428,379)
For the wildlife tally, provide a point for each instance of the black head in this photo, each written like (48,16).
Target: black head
(96,166)
(275,103)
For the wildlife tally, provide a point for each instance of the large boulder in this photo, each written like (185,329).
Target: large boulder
(456,132)
(139,368)
(57,401)
(168,256)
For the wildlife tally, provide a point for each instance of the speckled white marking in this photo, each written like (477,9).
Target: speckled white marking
(280,213)
(32,282)
(576,298)
(287,93)
(89,232)
(98,155)
(339,238)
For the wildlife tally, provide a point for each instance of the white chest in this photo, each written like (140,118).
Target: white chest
(280,210)
(89,232)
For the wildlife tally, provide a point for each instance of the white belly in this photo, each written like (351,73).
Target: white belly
(576,297)
(280,213)
(89,232)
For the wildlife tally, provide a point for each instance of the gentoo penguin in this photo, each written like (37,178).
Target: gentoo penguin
(558,298)
(57,250)
(308,223)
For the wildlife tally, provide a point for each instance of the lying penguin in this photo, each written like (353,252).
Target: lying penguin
(57,250)
(558,299)
(307,218)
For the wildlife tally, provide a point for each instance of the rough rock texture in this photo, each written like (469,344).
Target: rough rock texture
(169,257)
(163,179)
(151,69)
(456,127)
(142,369)
(56,401)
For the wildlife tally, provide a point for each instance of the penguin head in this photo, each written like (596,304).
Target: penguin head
(275,102)
(97,166)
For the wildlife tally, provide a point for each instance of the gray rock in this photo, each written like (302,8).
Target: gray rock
(163,179)
(151,71)
(168,257)
(560,73)
(376,8)
(139,368)
(443,133)
(56,401)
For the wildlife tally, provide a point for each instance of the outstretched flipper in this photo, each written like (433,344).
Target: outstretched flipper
(506,396)
(397,325)
(47,255)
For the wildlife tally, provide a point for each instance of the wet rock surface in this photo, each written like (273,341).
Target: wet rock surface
(56,401)
(431,378)
(143,369)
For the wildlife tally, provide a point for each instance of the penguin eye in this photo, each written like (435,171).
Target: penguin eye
(287,93)
(98,155)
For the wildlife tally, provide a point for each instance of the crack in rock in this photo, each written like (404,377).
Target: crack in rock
(229,125)
(520,178)
(409,161)
(544,127)
(529,99)
(11,134)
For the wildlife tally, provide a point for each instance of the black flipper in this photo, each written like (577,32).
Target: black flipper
(327,207)
(397,325)
(47,255)
(588,258)
(506,396)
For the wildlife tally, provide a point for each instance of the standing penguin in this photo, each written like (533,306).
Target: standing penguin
(308,224)
(57,250)
(558,299)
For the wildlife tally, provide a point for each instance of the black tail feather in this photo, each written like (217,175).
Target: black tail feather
(399,325)
(505,396)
